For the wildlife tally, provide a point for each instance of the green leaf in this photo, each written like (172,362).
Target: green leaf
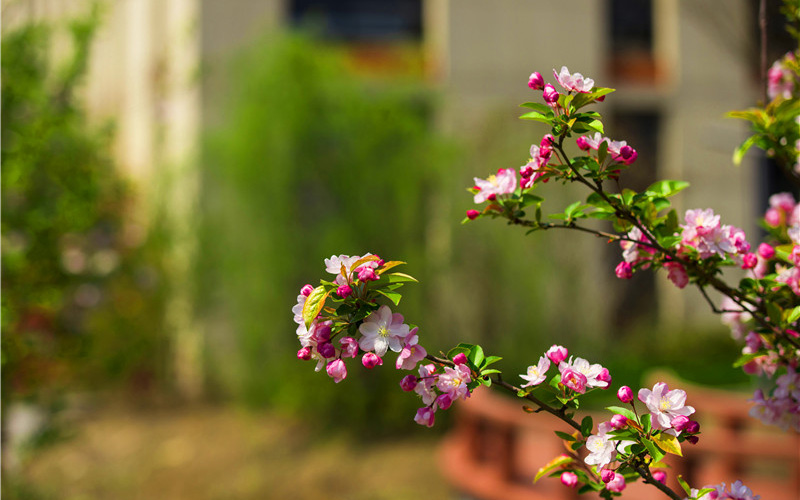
(553,464)
(773,311)
(587,425)
(400,277)
(793,315)
(539,107)
(533,115)
(475,356)
(565,436)
(684,485)
(314,304)
(738,153)
(656,453)
(646,425)
(528,199)
(667,187)
(668,443)
(491,359)
(393,296)
(489,371)
(602,152)
(746,358)
(623,411)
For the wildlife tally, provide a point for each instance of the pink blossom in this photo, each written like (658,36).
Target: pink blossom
(625,394)
(326,350)
(349,347)
(680,422)
(535,81)
(624,270)
(780,80)
(619,421)
(460,359)
(443,401)
(582,143)
(454,381)
(766,251)
(593,374)
(410,356)
(773,217)
(664,404)
(569,479)
(366,273)
(382,331)
(425,416)
(538,373)
(426,383)
(371,360)
(739,491)
(344,291)
(749,261)
(617,484)
(574,380)
(535,168)
(306,290)
(676,274)
(557,353)
(472,214)
(505,182)
(337,370)
(550,95)
(573,82)
(788,385)
(606,475)
(660,476)
(408,383)
(304,353)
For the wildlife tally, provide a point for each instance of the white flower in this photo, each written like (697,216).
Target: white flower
(537,374)
(664,405)
(382,331)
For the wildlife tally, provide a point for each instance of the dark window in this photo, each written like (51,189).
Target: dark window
(360,20)
(631,34)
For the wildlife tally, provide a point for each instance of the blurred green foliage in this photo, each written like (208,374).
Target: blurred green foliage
(311,161)
(82,289)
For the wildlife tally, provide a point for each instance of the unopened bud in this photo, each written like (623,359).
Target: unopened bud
(660,476)
(326,350)
(460,358)
(535,81)
(306,290)
(472,214)
(408,383)
(625,394)
(606,475)
(304,354)
(371,360)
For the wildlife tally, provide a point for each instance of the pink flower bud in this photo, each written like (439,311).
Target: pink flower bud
(624,270)
(569,479)
(444,401)
(692,439)
(773,217)
(632,158)
(601,98)
(344,291)
(535,81)
(336,370)
(792,333)
(604,376)
(626,152)
(472,214)
(326,350)
(304,354)
(692,427)
(557,353)
(606,475)
(660,476)
(367,274)
(408,383)
(550,94)
(306,290)
(460,359)
(617,484)
(371,360)
(766,251)
(425,416)
(625,394)
(322,333)
(680,422)
(582,143)
(548,141)
(619,421)
(492,197)
(749,260)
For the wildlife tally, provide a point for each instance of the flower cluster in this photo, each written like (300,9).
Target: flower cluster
(781,80)
(575,376)
(737,491)
(358,326)
(439,386)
